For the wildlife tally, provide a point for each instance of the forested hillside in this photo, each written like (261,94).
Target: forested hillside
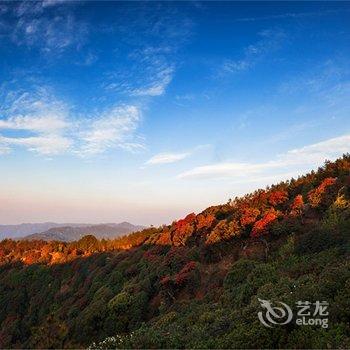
(194,283)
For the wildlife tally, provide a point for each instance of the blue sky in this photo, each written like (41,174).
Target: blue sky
(146,111)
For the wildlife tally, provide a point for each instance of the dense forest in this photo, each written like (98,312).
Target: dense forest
(194,283)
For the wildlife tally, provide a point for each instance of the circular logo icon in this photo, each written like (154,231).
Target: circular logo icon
(274,315)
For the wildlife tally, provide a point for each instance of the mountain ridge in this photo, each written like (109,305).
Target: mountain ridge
(37,230)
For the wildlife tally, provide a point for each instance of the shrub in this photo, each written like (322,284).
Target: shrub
(239,273)
(314,242)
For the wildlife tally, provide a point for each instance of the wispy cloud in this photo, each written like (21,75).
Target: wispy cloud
(269,41)
(173,157)
(316,153)
(165,158)
(113,129)
(38,113)
(46,144)
(300,158)
(154,35)
(41,115)
(36,123)
(326,86)
(157,84)
(49,3)
(322,78)
(55,129)
(149,74)
(44,25)
(291,15)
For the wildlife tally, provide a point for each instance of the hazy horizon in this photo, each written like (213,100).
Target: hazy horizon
(68,223)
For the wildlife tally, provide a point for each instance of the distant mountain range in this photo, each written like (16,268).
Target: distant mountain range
(50,231)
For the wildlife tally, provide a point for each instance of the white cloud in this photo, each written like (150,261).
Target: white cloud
(269,41)
(157,85)
(222,170)
(151,67)
(40,123)
(50,3)
(148,75)
(172,157)
(165,158)
(45,145)
(40,114)
(298,159)
(153,36)
(236,66)
(32,24)
(113,129)
(290,15)
(318,152)
(4,149)
(89,59)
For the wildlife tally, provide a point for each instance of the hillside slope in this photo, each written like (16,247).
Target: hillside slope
(195,283)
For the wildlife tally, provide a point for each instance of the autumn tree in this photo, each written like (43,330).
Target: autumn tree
(184,229)
(261,226)
(316,196)
(297,206)
(249,216)
(278,197)
(223,231)
(205,221)
(88,243)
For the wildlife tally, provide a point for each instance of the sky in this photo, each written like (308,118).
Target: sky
(147,111)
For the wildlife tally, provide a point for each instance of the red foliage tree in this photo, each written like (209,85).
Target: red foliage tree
(190,218)
(249,216)
(205,221)
(315,196)
(164,238)
(297,206)
(278,197)
(184,229)
(223,231)
(261,226)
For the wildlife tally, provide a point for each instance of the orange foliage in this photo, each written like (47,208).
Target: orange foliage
(31,257)
(223,231)
(190,218)
(297,205)
(278,197)
(249,216)
(315,196)
(261,226)
(329,181)
(184,229)
(205,221)
(164,238)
